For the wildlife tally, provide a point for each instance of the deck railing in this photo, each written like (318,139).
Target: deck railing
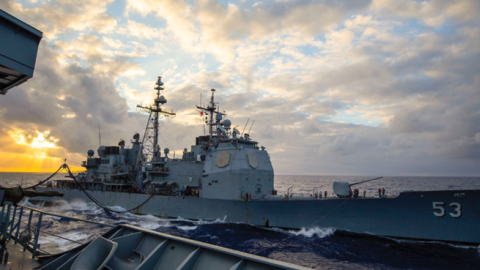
(11,226)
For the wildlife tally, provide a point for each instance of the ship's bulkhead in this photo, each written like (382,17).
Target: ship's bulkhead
(233,172)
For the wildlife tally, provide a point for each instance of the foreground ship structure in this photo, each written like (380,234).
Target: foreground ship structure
(227,176)
(18,51)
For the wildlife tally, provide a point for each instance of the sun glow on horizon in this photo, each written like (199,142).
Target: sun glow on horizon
(27,151)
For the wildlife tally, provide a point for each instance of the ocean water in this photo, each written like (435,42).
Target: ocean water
(318,248)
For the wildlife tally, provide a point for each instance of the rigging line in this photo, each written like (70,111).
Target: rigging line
(99,203)
(73,161)
(99,136)
(251,127)
(48,178)
(245,127)
(344,201)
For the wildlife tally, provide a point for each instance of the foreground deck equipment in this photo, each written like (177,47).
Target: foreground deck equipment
(18,51)
(122,247)
(129,247)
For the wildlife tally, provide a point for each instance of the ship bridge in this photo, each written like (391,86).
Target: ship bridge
(18,51)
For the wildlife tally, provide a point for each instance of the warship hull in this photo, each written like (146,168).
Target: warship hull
(450,216)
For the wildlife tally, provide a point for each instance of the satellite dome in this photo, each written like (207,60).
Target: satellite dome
(166,150)
(90,153)
(121,143)
(136,136)
(227,123)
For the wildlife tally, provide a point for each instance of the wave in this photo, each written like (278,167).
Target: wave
(313,232)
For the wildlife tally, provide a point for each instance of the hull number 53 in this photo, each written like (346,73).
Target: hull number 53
(440,211)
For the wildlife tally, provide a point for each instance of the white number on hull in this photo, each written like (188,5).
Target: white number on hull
(439,206)
(458,210)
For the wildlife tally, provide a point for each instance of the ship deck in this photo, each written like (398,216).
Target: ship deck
(17,255)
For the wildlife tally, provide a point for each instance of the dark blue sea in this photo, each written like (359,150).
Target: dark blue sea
(319,248)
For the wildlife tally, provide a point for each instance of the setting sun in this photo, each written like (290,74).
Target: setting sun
(35,152)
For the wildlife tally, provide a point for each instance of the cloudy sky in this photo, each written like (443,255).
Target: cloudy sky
(382,87)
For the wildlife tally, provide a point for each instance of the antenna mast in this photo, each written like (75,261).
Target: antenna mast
(150,147)
(211,111)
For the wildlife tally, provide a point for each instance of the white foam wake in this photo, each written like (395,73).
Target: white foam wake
(62,206)
(201,221)
(313,232)
(319,232)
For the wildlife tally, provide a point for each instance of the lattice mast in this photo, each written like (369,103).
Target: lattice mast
(150,147)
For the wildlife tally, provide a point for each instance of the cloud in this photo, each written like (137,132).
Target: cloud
(432,13)
(141,31)
(56,16)
(212,27)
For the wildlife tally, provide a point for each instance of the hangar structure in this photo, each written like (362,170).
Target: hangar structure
(18,51)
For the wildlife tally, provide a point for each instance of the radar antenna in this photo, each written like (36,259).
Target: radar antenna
(149,144)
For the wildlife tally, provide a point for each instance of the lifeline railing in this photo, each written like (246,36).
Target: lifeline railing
(13,229)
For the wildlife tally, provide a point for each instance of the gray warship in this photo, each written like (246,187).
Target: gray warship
(226,175)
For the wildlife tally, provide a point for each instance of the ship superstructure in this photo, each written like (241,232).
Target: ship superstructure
(223,164)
